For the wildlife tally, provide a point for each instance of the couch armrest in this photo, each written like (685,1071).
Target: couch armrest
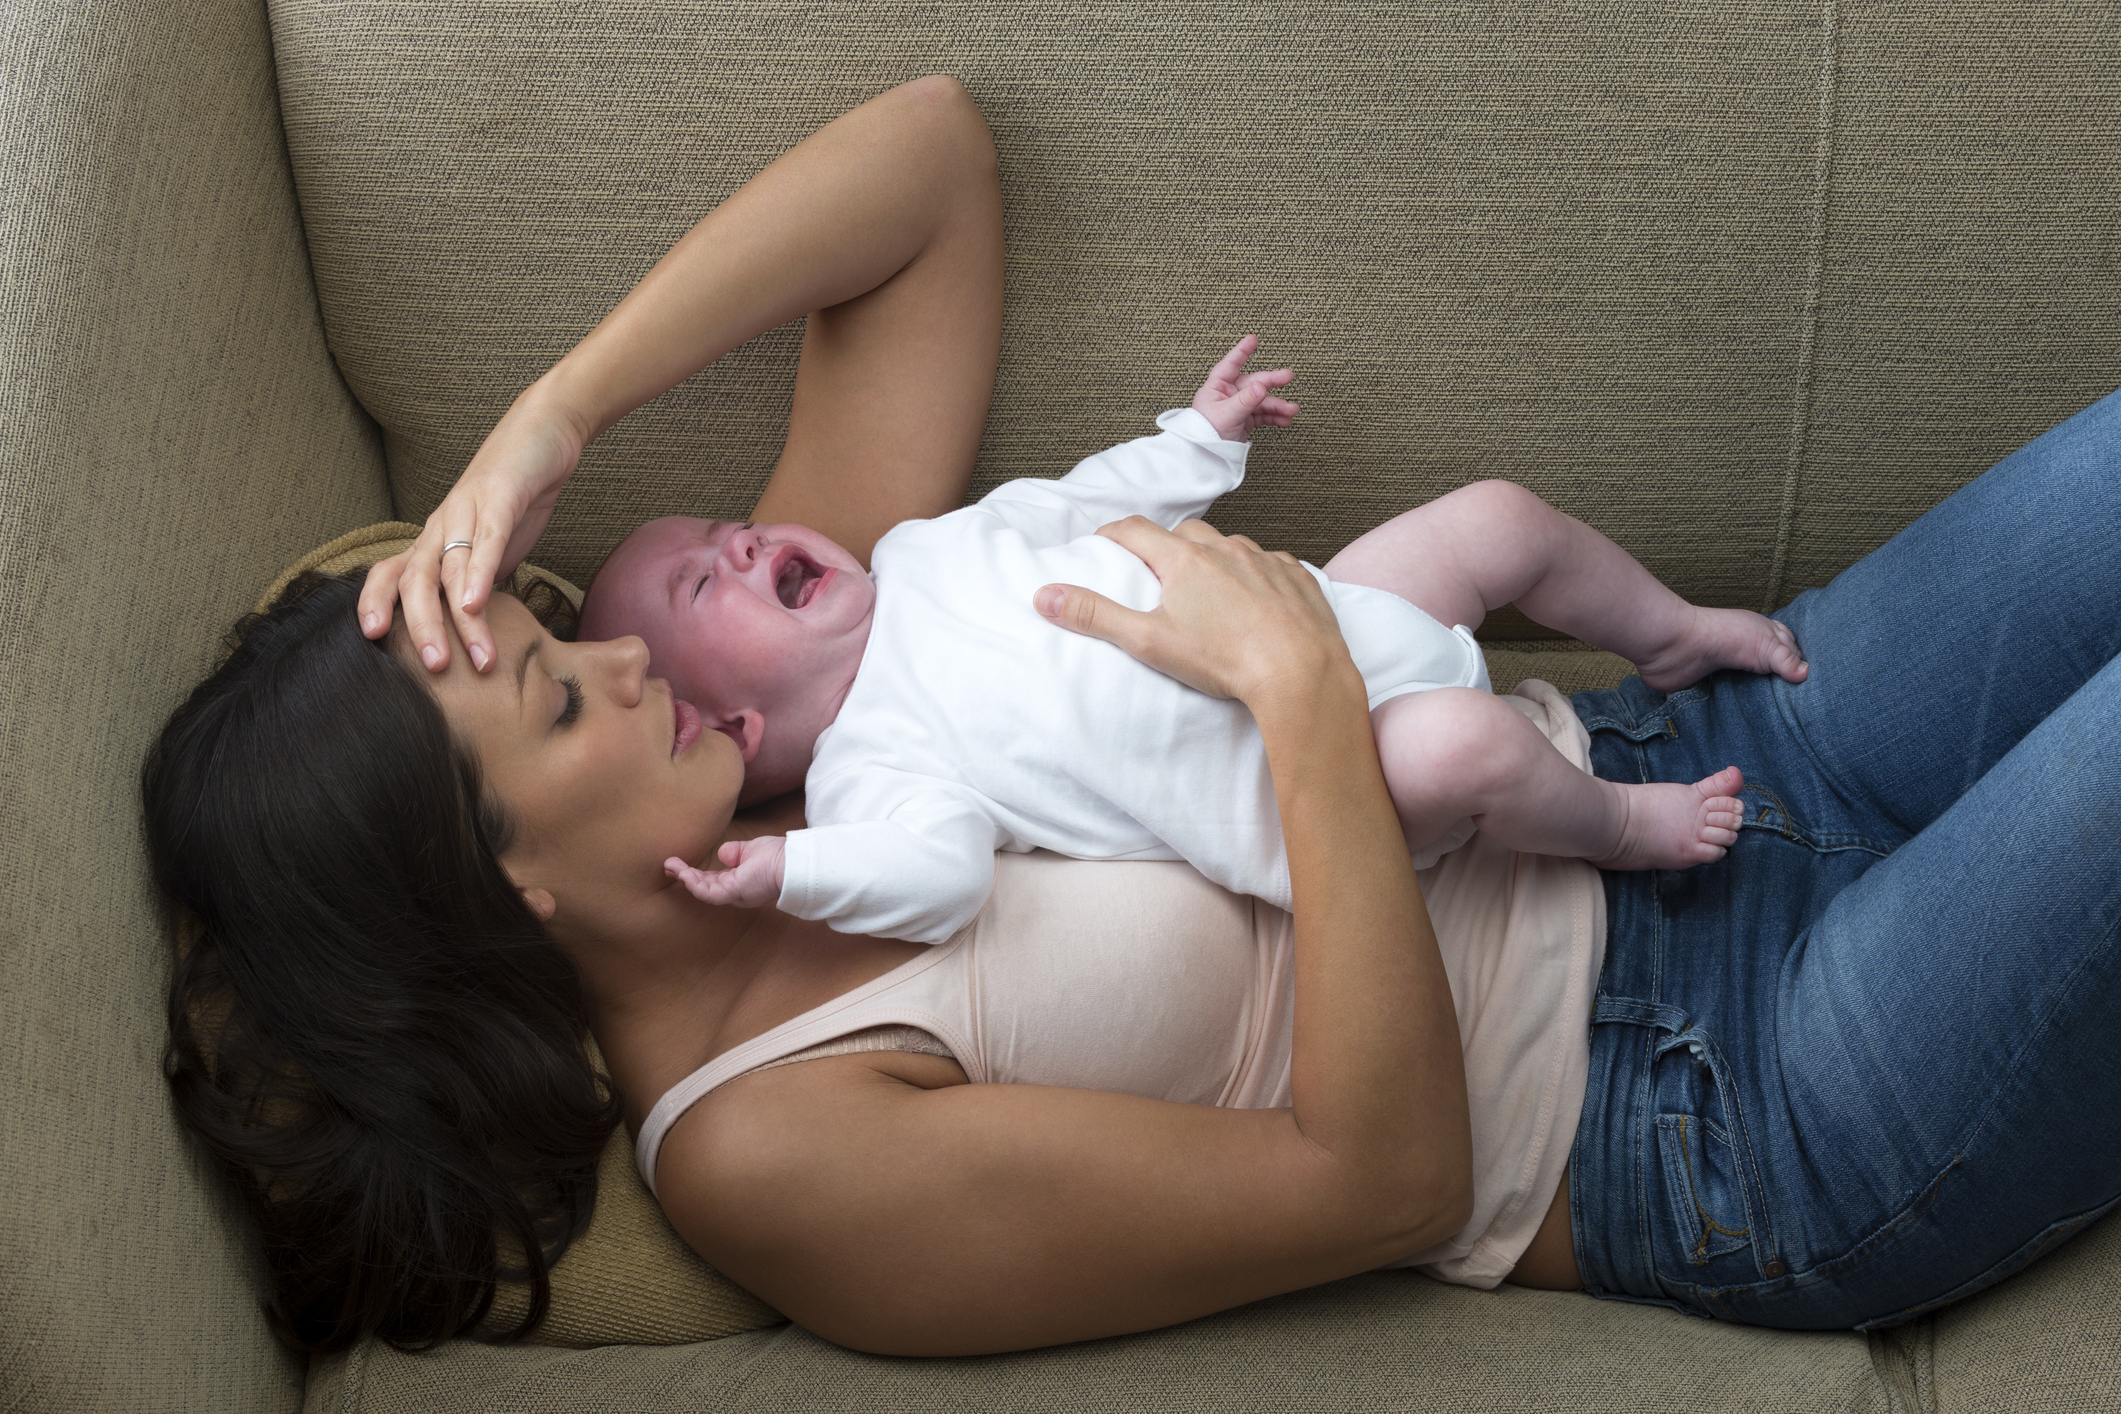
(172,431)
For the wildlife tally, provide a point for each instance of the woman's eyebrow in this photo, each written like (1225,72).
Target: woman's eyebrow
(523,668)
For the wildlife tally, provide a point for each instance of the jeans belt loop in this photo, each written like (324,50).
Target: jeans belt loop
(1626,1011)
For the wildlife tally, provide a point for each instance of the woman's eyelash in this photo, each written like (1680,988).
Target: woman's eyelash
(574,701)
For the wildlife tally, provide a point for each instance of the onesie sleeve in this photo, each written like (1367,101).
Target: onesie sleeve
(1173,476)
(920,873)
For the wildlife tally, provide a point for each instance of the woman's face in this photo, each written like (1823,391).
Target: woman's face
(606,773)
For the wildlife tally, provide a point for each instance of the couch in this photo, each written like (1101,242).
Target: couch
(1746,284)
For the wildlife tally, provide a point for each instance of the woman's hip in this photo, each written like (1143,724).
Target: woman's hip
(1815,1086)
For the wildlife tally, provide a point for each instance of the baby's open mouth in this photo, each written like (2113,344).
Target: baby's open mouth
(797,580)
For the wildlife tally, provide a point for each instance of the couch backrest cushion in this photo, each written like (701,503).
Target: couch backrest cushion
(171,433)
(1746,284)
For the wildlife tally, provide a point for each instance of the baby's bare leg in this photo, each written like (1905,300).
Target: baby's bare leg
(1458,752)
(1494,543)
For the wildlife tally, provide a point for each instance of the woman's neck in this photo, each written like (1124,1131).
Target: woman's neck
(681,982)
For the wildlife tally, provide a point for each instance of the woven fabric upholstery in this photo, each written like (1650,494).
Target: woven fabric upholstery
(2047,1341)
(1390,1341)
(1967,296)
(171,433)
(1745,284)
(1626,255)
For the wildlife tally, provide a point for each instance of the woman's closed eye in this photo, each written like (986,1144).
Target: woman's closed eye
(573,709)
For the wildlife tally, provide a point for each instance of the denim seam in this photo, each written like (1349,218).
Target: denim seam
(1783,695)
(1816,841)
(2010,1263)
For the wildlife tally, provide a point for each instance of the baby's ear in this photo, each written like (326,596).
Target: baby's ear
(747,728)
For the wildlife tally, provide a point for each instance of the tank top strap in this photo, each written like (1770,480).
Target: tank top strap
(927,992)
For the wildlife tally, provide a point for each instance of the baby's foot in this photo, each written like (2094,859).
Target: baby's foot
(1726,638)
(1675,826)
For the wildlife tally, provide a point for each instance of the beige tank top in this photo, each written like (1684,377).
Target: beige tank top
(1141,977)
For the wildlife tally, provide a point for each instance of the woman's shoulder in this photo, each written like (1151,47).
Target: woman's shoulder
(784,1130)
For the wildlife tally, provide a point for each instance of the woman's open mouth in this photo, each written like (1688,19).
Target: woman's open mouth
(798,579)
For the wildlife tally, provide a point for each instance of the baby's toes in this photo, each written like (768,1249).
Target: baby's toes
(1783,656)
(1722,815)
(1720,785)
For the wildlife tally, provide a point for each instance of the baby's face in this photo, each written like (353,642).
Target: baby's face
(769,617)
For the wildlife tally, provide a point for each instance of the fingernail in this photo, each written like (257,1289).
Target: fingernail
(467,598)
(368,623)
(431,655)
(478,658)
(1048,601)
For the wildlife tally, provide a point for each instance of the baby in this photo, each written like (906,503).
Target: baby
(934,716)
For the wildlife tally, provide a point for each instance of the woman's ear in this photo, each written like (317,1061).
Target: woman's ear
(539,901)
(746,727)
(541,904)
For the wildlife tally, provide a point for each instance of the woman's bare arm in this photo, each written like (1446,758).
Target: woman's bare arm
(884,227)
(890,1209)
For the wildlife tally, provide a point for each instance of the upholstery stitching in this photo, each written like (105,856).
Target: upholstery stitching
(1808,331)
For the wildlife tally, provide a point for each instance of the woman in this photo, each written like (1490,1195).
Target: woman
(885,1202)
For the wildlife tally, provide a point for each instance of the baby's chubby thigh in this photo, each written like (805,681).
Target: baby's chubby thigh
(1448,754)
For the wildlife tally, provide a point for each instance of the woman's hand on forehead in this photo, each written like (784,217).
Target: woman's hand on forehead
(482,530)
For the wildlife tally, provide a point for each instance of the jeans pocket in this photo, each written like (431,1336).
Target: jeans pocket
(1712,1231)
(1706,1202)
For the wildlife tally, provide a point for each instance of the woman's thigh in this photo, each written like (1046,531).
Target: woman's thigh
(1933,655)
(1835,1082)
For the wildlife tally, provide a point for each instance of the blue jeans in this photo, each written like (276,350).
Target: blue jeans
(1870,1062)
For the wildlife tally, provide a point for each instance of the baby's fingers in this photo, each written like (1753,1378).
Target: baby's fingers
(723,889)
(1232,363)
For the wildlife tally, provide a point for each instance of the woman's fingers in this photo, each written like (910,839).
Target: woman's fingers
(420,591)
(1235,619)
(1091,614)
(379,594)
(475,566)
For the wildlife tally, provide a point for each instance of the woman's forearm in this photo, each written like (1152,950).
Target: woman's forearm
(834,217)
(1377,1074)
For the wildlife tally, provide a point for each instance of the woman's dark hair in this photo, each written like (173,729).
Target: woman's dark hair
(368,1029)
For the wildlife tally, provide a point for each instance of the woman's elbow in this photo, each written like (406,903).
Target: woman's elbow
(1433,1207)
(948,111)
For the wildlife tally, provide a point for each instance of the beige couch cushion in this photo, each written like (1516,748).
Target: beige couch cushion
(1389,1342)
(1706,275)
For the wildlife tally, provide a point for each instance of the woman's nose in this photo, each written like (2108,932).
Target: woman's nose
(626,664)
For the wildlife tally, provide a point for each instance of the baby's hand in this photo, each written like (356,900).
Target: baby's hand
(1236,401)
(751,877)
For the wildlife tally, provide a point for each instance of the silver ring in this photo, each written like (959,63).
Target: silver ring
(453,545)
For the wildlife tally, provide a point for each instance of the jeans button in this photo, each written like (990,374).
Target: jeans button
(1776,1269)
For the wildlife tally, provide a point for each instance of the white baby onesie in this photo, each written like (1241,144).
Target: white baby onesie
(975,725)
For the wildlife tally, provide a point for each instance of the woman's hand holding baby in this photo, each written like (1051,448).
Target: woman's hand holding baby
(1236,620)
(482,530)
(750,877)
(1236,401)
